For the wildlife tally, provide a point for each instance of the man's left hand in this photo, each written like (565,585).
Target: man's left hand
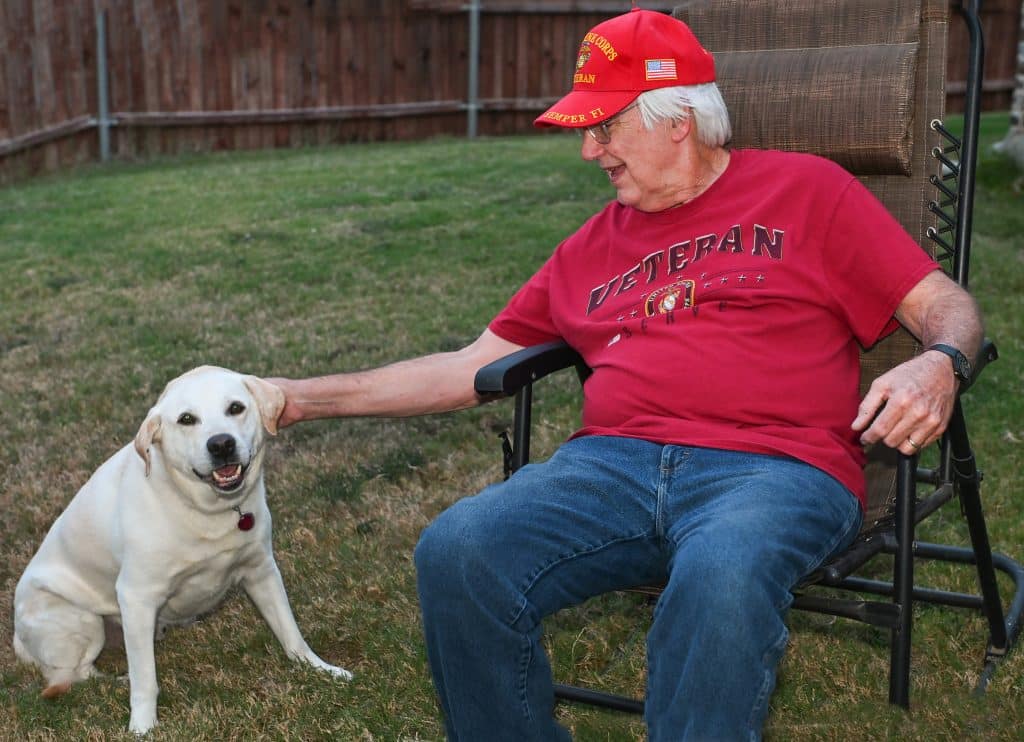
(909,407)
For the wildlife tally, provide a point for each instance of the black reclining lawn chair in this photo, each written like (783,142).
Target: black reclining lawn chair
(863,84)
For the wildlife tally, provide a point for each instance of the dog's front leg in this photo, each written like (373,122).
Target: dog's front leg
(138,621)
(266,590)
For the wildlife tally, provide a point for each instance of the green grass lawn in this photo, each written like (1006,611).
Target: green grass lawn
(304,262)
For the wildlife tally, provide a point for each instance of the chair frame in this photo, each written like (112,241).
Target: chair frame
(955,475)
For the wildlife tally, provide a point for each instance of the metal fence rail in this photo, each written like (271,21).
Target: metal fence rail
(82,80)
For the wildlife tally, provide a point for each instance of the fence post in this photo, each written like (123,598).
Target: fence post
(101,81)
(473,103)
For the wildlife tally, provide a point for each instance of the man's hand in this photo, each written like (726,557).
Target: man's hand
(910,406)
(289,414)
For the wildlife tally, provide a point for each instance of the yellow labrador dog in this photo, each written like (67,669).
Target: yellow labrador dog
(157,536)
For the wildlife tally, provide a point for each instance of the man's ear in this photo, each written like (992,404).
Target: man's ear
(269,400)
(148,433)
(682,128)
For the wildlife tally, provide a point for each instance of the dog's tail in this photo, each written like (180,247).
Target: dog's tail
(55,690)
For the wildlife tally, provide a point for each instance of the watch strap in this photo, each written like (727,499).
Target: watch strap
(961,366)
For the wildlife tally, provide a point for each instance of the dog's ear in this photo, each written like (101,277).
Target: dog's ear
(149,431)
(269,400)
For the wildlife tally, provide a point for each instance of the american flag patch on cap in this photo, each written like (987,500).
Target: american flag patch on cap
(660,69)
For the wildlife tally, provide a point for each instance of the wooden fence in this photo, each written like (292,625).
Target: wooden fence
(198,75)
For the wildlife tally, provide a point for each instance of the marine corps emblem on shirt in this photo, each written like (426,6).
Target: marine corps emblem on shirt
(678,295)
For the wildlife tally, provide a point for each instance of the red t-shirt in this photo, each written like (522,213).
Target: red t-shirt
(735,320)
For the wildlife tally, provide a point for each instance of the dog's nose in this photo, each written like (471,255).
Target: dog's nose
(221,445)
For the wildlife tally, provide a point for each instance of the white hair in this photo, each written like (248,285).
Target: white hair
(704,102)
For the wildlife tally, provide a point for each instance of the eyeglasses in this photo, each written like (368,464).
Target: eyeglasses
(602,132)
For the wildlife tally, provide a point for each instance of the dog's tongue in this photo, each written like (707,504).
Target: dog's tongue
(226,474)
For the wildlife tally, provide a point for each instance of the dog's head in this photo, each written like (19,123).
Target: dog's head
(1012,146)
(208,425)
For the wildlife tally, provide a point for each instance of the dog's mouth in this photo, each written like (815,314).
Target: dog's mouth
(227,478)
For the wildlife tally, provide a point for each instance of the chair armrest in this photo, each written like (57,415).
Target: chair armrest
(507,375)
(986,355)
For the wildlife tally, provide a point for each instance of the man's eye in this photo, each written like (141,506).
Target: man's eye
(187,418)
(236,408)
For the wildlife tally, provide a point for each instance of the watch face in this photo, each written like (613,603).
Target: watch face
(963,366)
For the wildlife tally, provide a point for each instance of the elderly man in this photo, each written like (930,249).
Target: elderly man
(720,300)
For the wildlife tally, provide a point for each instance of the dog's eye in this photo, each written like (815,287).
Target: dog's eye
(187,418)
(236,408)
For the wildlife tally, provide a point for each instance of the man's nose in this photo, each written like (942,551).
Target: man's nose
(590,148)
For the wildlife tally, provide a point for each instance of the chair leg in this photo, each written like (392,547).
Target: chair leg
(967,480)
(903,582)
(574,694)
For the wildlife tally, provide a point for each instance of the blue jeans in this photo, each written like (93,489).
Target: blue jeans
(729,533)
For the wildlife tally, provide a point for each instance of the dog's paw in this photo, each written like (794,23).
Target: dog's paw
(319,664)
(143,717)
(141,726)
(338,672)
(56,690)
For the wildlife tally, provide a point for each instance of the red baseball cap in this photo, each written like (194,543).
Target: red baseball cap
(624,56)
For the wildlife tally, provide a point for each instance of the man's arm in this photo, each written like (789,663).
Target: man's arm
(441,382)
(916,398)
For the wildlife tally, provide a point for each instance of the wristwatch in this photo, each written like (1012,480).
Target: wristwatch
(961,366)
